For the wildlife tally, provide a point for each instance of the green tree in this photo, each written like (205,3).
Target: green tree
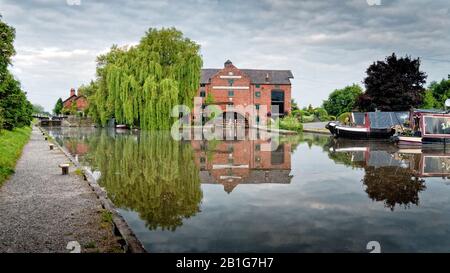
(342,100)
(16,109)
(58,107)
(429,102)
(7,36)
(140,85)
(395,84)
(439,91)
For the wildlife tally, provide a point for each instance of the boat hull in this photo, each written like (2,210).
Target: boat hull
(359,132)
(434,141)
(408,141)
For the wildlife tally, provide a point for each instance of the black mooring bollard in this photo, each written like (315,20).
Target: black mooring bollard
(64,168)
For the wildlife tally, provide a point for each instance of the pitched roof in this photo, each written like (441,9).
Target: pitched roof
(257,76)
(69,98)
(74,98)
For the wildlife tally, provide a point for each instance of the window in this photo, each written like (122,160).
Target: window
(257,106)
(230,82)
(230,148)
(258,147)
(202,160)
(257,85)
(230,93)
(258,94)
(202,85)
(202,94)
(257,119)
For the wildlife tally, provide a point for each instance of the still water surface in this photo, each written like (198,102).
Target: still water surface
(312,194)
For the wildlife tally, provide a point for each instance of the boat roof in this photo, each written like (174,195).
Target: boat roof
(387,119)
(430,111)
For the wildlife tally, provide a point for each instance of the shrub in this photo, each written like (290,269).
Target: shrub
(307,118)
(297,113)
(290,123)
(344,118)
(321,114)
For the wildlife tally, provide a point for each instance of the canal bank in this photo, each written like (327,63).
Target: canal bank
(316,127)
(42,210)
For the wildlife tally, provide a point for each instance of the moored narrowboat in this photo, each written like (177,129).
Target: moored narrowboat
(376,125)
(427,127)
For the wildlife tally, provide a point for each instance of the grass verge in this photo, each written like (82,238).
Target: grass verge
(11,145)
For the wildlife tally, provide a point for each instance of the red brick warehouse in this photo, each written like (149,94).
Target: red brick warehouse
(231,86)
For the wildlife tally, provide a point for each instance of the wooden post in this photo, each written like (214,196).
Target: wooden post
(64,168)
(51,146)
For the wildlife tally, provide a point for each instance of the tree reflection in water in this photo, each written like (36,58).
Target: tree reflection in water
(151,174)
(394,185)
(389,176)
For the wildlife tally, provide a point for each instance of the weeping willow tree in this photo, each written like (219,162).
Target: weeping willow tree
(139,85)
(151,174)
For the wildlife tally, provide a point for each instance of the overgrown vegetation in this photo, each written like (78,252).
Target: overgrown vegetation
(139,85)
(11,145)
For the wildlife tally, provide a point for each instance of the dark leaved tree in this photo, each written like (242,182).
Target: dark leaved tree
(58,107)
(395,84)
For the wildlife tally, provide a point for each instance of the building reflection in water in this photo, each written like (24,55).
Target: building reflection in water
(242,161)
(394,176)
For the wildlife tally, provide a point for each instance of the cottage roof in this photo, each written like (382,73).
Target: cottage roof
(70,98)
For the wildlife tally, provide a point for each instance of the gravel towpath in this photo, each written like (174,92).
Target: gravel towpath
(42,210)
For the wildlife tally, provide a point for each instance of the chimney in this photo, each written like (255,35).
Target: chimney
(228,63)
(72,92)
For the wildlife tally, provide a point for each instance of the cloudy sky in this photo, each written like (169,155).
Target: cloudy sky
(326,44)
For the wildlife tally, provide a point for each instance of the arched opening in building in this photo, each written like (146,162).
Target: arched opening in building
(234,119)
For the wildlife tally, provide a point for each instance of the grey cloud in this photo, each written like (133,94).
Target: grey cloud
(327,44)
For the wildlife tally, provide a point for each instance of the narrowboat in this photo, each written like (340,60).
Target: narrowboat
(427,128)
(376,125)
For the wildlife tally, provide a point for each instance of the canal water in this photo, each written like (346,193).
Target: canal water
(311,194)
